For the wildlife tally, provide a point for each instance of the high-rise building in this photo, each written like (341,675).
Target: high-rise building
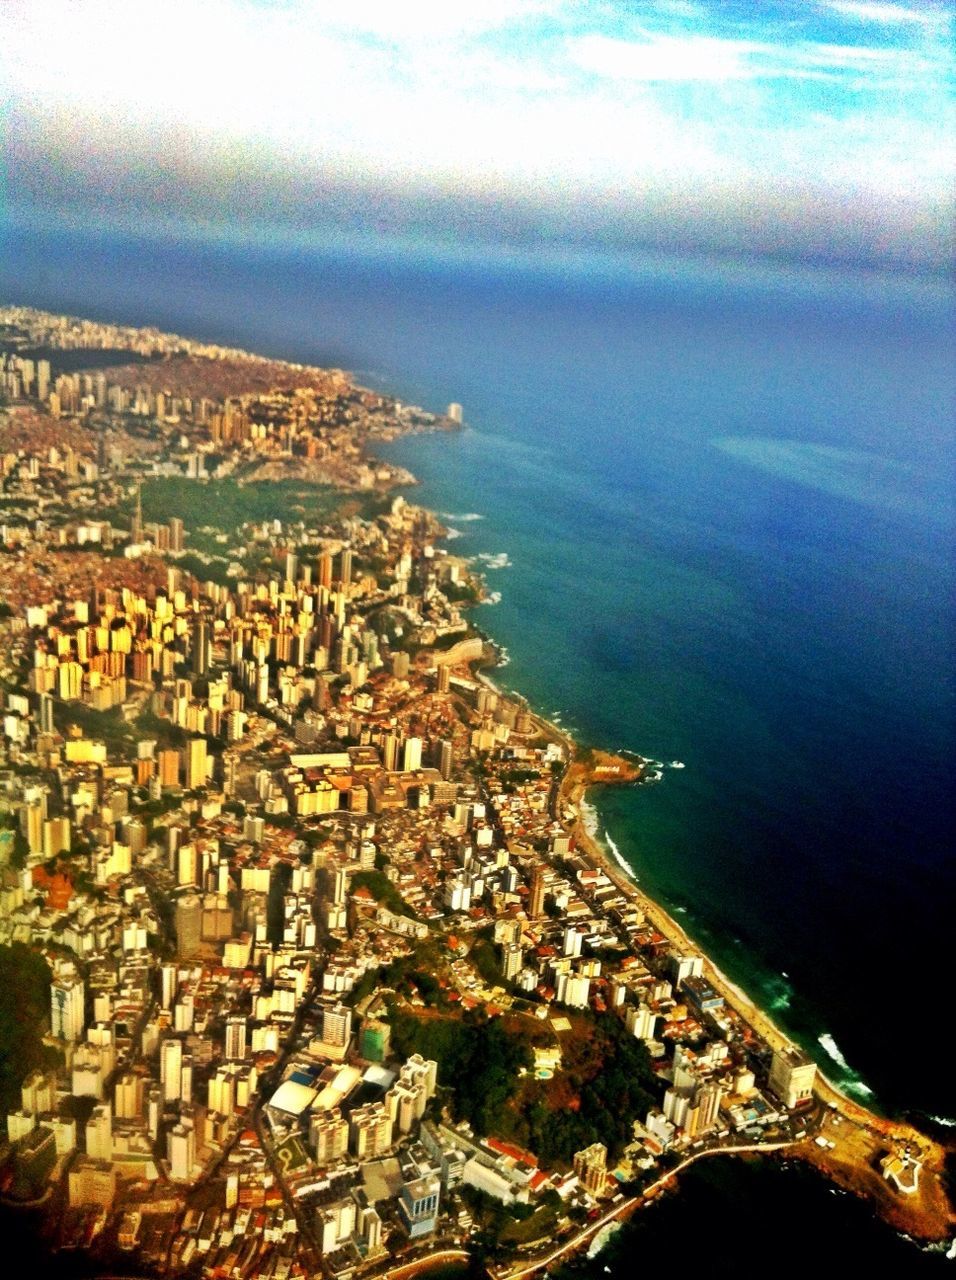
(19,1124)
(136,524)
(684,967)
(374,1041)
(181,1150)
(187,864)
(200,648)
(184,1013)
(418,1204)
(188,924)
(512,959)
(99,1133)
(222,1092)
(340,885)
(186,1078)
(235,1039)
(92,1183)
(32,818)
(56,836)
(329,1136)
(337,1025)
(169,764)
(591,1167)
(336,1224)
(571,941)
(370,1130)
(641,1021)
(38,1092)
(370,1227)
(67,1009)
(708,1106)
(176,532)
(170,1069)
(168,984)
(791,1076)
(43,379)
(196,763)
(412,755)
(45,713)
(128,1096)
(154,1110)
(407,1102)
(536,894)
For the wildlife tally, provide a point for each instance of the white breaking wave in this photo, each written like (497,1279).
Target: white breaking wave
(859,1088)
(466,517)
(851,1081)
(618,856)
(495,560)
(834,1051)
(493,597)
(504,657)
(780,993)
(451,534)
(601,1239)
(945,1121)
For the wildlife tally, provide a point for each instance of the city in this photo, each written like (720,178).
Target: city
(312,965)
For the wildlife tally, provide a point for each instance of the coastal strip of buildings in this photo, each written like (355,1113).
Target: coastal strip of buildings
(268,828)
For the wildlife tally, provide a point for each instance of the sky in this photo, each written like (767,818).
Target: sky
(824,125)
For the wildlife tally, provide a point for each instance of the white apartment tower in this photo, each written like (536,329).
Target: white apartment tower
(67,1009)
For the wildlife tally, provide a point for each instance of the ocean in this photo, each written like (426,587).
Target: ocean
(714,503)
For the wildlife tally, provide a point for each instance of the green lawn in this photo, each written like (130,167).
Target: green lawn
(226,504)
(541,1223)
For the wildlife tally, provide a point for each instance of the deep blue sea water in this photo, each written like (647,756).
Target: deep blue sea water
(725,494)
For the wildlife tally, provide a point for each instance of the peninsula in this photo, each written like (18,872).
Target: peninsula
(312,963)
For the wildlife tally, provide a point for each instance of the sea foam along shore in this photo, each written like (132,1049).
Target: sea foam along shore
(617,855)
(850,1080)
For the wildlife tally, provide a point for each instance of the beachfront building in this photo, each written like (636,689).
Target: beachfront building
(791,1076)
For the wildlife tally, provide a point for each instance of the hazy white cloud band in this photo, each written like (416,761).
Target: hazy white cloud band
(598,101)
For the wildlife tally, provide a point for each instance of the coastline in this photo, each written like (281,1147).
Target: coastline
(864,1137)
(574,790)
(933,1221)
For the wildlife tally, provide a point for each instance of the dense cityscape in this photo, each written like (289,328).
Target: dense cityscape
(312,964)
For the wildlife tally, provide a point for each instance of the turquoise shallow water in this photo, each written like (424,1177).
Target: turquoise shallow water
(725,501)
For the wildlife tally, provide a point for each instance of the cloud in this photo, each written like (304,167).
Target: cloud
(659,58)
(432,20)
(884,13)
(508,99)
(662,57)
